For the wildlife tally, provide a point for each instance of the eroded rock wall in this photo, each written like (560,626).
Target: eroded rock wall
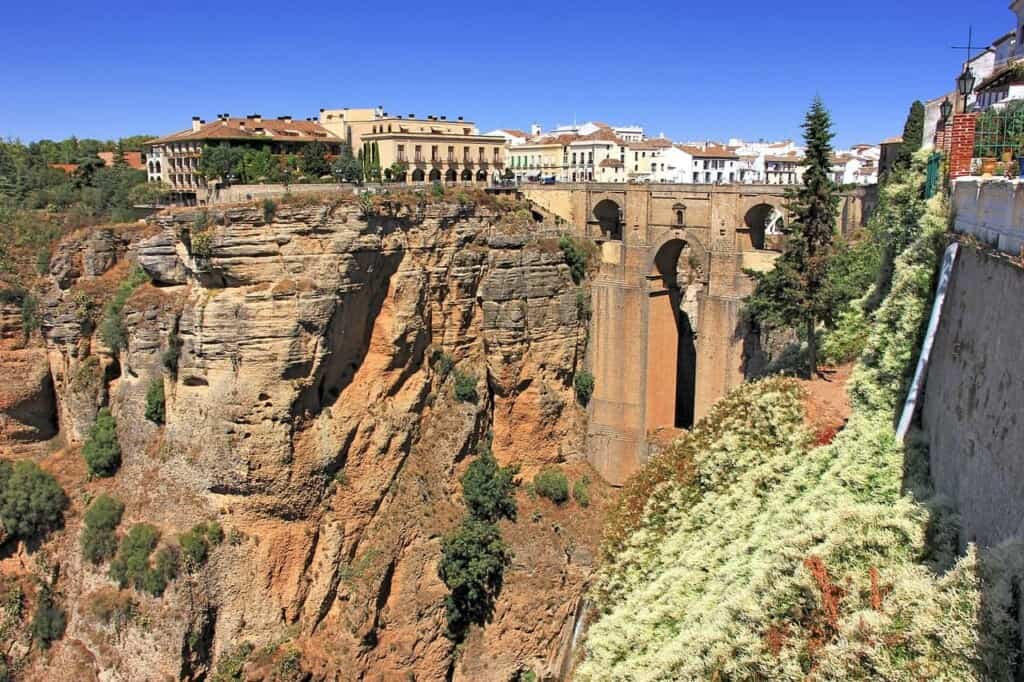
(303,413)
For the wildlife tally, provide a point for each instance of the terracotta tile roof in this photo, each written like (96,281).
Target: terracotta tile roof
(1011,74)
(893,140)
(656,143)
(131,159)
(514,132)
(68,168)
(604,134)
(610,163)
(248,129)
(785,159)
(709,153)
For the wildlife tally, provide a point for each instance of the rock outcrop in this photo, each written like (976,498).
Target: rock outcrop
(305,413)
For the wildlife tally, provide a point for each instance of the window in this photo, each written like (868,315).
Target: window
(681,216)
(401,152)
(451,153)
(481,154)
(574,158)
(590,157)
(465,154)
(419,152)
(433,153)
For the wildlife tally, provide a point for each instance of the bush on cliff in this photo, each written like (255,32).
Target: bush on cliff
(583,384)
(32,503)
(196,543)
(465,387)
(575,257)
(132,566)
(488,489)
(551,483)
(155,401)
(111,327)
(49,619)
(473,560)
(99,539)
(101,451)
(473,555)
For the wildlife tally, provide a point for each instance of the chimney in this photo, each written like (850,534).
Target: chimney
(460,118)
(196,123)
(535,130)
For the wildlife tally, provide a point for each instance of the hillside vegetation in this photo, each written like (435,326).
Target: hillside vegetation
(745,552)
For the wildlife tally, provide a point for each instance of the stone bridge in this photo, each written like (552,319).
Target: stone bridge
(667,339)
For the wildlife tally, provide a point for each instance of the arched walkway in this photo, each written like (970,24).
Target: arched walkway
(481,176)
(435,175)
(417,175)
(450,176)
(674,283)
(467,175)
(761,221)
(609,216)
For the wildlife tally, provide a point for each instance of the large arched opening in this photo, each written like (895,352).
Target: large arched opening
(435,175)
(609,216)
(450,175)
(764,223)
(418,175)
(674,285)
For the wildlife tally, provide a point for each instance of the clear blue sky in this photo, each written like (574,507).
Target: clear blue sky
(690,69)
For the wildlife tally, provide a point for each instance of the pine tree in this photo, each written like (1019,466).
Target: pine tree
(913,135)
(795,294)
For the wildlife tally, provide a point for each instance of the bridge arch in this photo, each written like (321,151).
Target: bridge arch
(608,215)
(675,283)
(763,222)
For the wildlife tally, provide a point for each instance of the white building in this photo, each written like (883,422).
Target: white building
(512,136)
(713,164)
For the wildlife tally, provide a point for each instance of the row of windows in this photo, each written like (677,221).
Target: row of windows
(435,154)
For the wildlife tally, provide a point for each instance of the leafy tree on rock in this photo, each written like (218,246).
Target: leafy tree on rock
(487,488)
(796,294)
(101,451)
(32,503)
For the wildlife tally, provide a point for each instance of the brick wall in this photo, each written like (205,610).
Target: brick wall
(960,139)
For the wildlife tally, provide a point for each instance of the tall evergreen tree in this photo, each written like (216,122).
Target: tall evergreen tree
(796,293)
(913,135)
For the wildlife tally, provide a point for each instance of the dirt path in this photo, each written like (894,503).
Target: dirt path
(827,403)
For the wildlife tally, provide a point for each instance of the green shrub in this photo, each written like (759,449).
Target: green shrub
(488,489)
(229,667)
(29,315)
(101,451)
(155,401)
(551,483)
(583,383)
(32,503)
(49,620)
(132,565)
(195,544)
(581,492)
(437,189)
(473,560)
(442,363)
(575,257)
(99,541)
(111,327)
(202,244)
(269,210)
(465,387)
(172,354)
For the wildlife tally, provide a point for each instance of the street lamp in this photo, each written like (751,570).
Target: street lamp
(946,109)
(965,85)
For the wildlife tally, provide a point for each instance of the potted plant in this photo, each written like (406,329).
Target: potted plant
(1006,156)
(988,166)
(1000,170)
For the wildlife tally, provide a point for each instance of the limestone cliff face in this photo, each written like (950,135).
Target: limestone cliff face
(304,414)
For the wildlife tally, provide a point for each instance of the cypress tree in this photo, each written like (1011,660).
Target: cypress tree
(795,293)
(913,135)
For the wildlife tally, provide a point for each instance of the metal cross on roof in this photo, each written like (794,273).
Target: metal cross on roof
(970,47)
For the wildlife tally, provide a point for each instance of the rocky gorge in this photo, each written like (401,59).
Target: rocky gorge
(306,354)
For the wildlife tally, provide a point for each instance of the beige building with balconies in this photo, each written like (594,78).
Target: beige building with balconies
(434,149)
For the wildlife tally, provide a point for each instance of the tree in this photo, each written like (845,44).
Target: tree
(220,162)
(119,159)
(795,294)
(314,160)
(473,560)
(32,503)
(99,542)
(101,451)
(397,170)
(913,135)
(148,193)
(347,168)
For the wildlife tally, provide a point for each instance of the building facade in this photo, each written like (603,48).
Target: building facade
(174,159)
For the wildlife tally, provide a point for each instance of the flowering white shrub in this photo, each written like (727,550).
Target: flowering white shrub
(743,552)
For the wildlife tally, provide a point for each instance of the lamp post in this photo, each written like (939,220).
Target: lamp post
(946,110)
(965,85)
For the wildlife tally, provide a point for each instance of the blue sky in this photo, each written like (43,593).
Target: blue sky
(692,70)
